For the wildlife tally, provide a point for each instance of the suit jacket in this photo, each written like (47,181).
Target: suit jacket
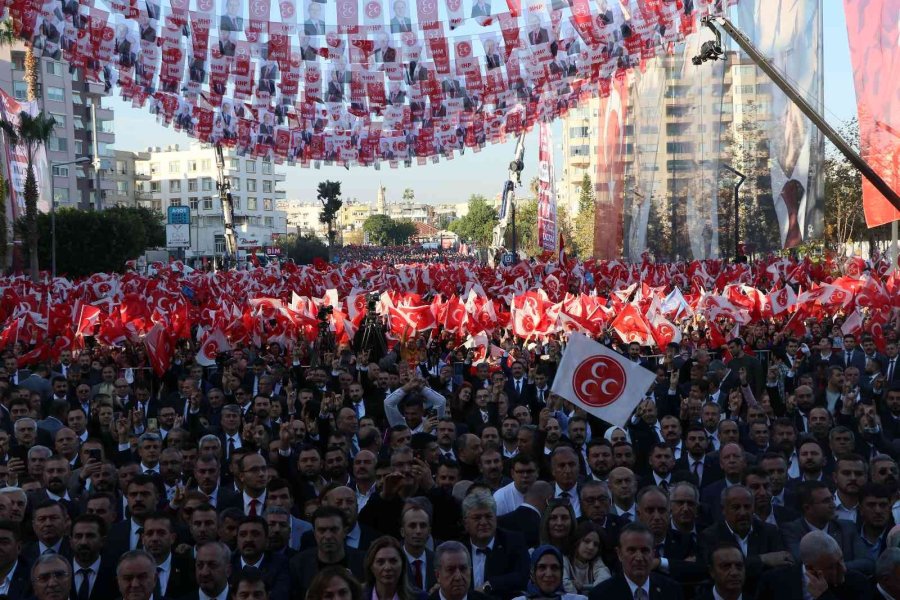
(105,586)
(857,359)
(711,497)
(507,564)
(677,549)
(616,588)
(856,555)
(524,520)
(118,539)
(20,583)
(304,566)
(787,582)
(712,472)
(182,577)
(31,551)
(764,538)
(275,574)
(430,579)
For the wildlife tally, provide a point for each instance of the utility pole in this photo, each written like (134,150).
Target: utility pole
(224,187)
(737,213)
(713,51)
(98,195)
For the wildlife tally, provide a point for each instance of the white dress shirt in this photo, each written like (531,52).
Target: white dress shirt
(742,541)
(633,586)
(134,538)
(842,511)
(222,596)
(508,499)
(423,568)
(260,503)
(574,501)
(94,570)
(478,561)
(164,569)
(4,583)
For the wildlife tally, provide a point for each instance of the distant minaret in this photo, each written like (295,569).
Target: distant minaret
(381,201)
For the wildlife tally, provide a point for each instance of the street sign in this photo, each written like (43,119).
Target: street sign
(178,236)
(178,215)
(508,259)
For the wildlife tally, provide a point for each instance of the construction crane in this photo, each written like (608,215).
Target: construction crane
(224,187)
(508,198)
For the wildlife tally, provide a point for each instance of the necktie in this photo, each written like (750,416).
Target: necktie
(640,594)
(417,566)
(519,386)
(157,589)
(696,468)
(140,538)
(565,495)
(626,517)
(541,396)
(848,360)
(890,372)
(84,590)
(252,512)
(230,447)
(49,551)
(486,551)
(664,485)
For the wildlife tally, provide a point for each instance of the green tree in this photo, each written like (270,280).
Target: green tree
(583,229)
(527,239)
(32,133)
(6,39)
(409,195)
(385,231)
(478,225)
(303,249)
(844,216)
(403,230)
(329,194)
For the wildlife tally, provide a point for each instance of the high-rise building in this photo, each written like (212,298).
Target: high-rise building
(127,182)
(177,176)
(68,98)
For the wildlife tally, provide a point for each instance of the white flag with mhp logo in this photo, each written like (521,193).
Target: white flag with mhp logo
(602,382)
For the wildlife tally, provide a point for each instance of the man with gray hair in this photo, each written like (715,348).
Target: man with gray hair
(213,569)
(454,574)
(821,574)
(887,575)
(37,458)
(51,577)
(499,557)
(136,575)
(17,501)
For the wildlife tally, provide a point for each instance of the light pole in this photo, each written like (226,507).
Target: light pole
(737,222)
(53,210)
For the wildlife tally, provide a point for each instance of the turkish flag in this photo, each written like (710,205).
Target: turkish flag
(212,346)
(631,326)
(159,349)
(10,335)
(602,382)
(853,323)
(782,300)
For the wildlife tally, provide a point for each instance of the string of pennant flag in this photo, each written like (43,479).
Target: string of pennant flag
(356,82)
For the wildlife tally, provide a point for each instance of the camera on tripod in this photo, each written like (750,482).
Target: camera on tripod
(372,302)
(325,312)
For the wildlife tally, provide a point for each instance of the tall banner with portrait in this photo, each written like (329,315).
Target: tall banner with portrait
(610,187)
(789,33)
(17,162)
(873,29)
(546,220)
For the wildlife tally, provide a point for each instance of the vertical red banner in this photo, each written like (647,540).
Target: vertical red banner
(872,29)
(608,220)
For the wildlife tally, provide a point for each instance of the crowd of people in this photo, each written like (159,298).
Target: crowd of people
(766,468)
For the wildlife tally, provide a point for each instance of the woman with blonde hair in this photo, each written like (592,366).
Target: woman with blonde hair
(387,572)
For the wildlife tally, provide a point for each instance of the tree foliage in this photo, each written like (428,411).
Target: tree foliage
(329,194)
(526,228)
(583,227)
(844,217)
(409,195)
(478,225)
(97,241)
(385,231)
(303,249)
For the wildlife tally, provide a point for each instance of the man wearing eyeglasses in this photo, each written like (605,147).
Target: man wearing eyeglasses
(51,578)
(254,476)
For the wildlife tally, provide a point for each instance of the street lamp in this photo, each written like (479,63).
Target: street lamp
(54,165)
(737,187)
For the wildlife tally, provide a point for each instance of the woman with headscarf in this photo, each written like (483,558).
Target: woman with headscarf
(546,580)
(616,434)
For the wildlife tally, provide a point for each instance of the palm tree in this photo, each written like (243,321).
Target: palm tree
(32,133)
(6,39)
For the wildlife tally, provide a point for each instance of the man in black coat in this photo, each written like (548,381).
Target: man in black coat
(88,566)
(820,574)
(330,531)
(252,538)
(726,568)
(12,565)
(635,553)
(51,523)
(760,542)
(526,519)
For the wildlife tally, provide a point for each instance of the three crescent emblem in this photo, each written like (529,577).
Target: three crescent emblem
(599,381)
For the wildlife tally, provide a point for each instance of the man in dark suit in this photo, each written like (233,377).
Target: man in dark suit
(93,576)
(12,565)
(816,504)
(890,417)
(213,568)
(694,457)
(635,553)
(757,481)
(500,558)
(453,571)
(760,542)
(142,496)
(415,529)
(850,355)
(887,575)
(252,538)
(820,574)
(50,521)
(726,569)
(175,572)
(330,531)
(732,463)
(526,519)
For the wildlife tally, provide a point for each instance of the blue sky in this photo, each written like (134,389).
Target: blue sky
(482,172)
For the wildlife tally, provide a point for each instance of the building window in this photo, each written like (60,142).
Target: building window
(154,168)
(175,202)
(236,184)
(236,203)
(58,144)
(251,166)
(20,90)
(154,187)
(266,168)
(121,167)
(174,166)
(269,221)
(18,60)
(207,203)
(107,126)
(267,204)
(122,187)
(205,164)
(251,185)
(192,165)
(251,203)
(57,94)
(54,68)
(194,202)
(60,120)
(207,184)
(219,241)
(60,195)
(61,171)
(234,164)
(192,185)
(174,186)
(267,185)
